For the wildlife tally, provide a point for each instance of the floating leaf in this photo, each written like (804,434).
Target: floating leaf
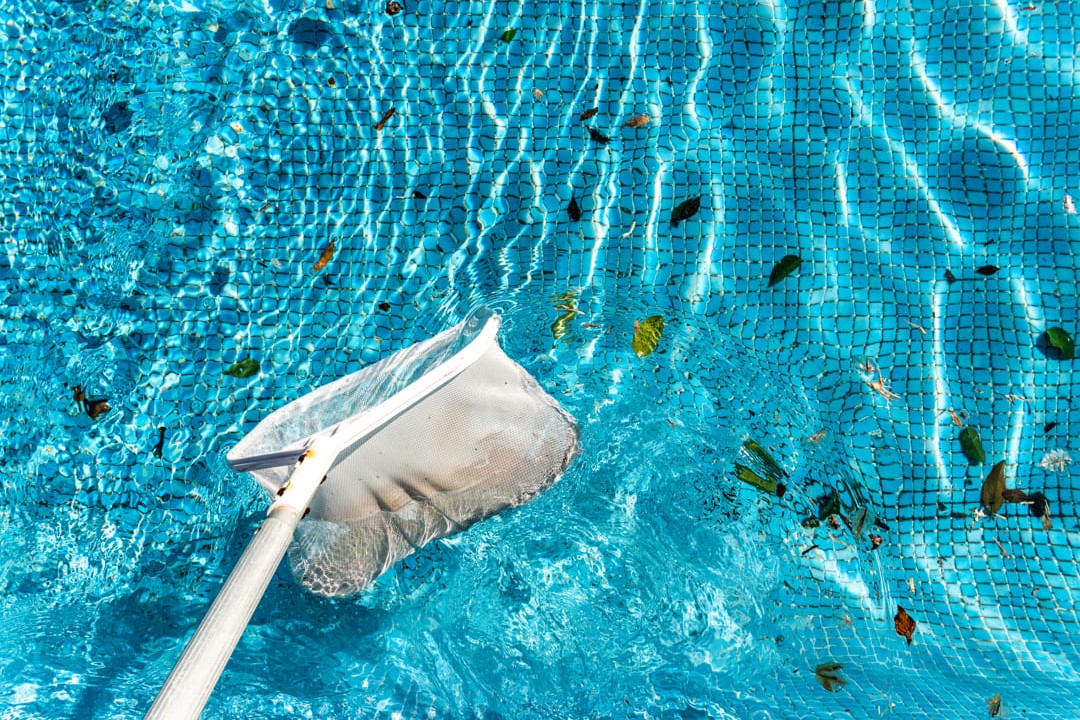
(637,121)
(864,516)
(97,407)
(987,270)
(749,476)
(508,35)
(685,210)
(393,8)
(599,136)
(324,259)
(1062,341)
(1040,508)
(787,265)
(573,210)
(830,506)
(993,705)
(588,114)
(160,446)
(993,489)
(243,369)
(417,195)
(768,463)
(971,444)
(828,675)
(647,334)
(385,118)
(950,277)
(1012,495)
(905,625)
(1049,426)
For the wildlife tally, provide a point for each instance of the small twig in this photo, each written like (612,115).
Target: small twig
(917,327)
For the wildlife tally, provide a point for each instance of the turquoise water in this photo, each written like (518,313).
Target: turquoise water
(172,173)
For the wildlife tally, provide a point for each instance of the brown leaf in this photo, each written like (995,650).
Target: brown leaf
(828,674)
(1014,496)
(588,114)
(993,705)
(637,121)
(324,259)
(393,8)
(386,117)
(79,395)
(95,408)
(905,626)
(993,489)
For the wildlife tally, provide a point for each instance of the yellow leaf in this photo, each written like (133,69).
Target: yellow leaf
(324,259)
(647,334)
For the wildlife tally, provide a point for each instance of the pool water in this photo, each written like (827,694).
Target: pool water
(174,170)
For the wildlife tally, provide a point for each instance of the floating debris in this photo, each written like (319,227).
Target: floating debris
(1014,496)
(637,121)
(417,195)
(324,259)
(880,388)
(599,136)
(875,541)
(1069,205)
(748,476)
(993,705)
(573,210)
(685,210)
(1040,508)
(987,270)
(787,265)
(993,489)
(508,35)
(647,335)
(591,112)
(1049,426)
(97,407)
(828,676)
(385,118)
(830,505)
(971,444)
(243,368)
(770,465)
(384,306)
(393,7)
(905,625)
(160,446)
(1063,341)
(1057,461)
(567,303)
(538,93)
(950,277)
(864,517)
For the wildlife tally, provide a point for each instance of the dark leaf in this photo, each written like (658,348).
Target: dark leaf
(588,114)
(971,444)
(987,270)
(1014,496)
(749,476)
(828,675)
(508,35)
(599,136)
(864,516)
(384,306)
(97,407)
(573,210)
(905,625)
(324,258)
(781,490)
(993,489)
(685,210)
(1062,341)
(811,523)
(646,335)
(787,265)
(243,369)
(160,446)
(829,506)
(950,277)
(79,395)
(993,705)
(1049,426)
(417,195)
(385,118)
(875,541)
(393,7)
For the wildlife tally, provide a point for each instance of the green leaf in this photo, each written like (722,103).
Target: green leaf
(647,334)
(787,265)
(772,468)
(243,369)
(685,210)
(971,444)
(1062,341)
(993,490)
(749,476)
(508,35)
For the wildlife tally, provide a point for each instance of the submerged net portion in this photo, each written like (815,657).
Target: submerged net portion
(487,440)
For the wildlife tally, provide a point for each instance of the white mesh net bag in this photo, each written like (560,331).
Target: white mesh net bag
(430,440)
